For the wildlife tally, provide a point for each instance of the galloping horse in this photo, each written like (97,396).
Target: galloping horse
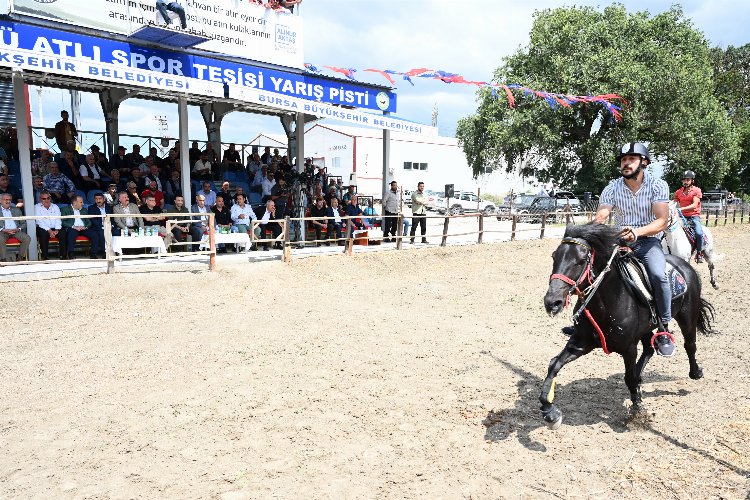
(676,241)
(585,265)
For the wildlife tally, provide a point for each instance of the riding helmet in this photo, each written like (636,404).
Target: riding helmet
(689,174)
(634,148)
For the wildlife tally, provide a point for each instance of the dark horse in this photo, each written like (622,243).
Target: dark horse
(583,258)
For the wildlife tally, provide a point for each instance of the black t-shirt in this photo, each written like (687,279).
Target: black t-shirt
(145,211)
(222,218)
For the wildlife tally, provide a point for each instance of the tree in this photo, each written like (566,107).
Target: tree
(732,87)
(660,64)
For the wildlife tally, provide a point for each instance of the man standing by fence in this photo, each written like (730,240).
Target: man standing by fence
(390,212)
(419,212)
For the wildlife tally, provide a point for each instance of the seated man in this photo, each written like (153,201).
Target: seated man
(173,187)
(370,220)
(78,226)
(353,210)
(5,188)
(232,160)
(101,208)
(319,210)
(200,226)
(92,174)
(154,191)
(58,185)
(110,196)
(153,219)
(182,231)
(48,225)
(12,229)
(274,227)
(222,220)
(334,220)
(202,169)
(133,219)
(242,217)
(209,195)
(224,193)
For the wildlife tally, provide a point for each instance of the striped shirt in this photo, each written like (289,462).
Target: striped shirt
(634,209)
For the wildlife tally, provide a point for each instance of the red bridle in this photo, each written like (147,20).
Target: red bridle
(575,285)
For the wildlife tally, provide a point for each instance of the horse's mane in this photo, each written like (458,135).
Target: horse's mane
(600,236)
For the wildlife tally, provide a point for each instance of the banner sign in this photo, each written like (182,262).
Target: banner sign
(51,51)
(235,27)
(323,110)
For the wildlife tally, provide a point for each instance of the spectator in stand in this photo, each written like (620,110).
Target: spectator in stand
(154,175)
(347,198)
(101,208)
(79,226)
(121,162)
(153,190)
(330,195)
(253,164)
(110,196)
(280,196)
(274,227)
(40,166)
(202,170)
(171,162)
(100,159)
(173,187)
(154,154)
(370,212)
(242,217)
(136,177)
(145,167)
(70,167)
(38,186)
(4,170)
(209,195)
(353,210)
(238,192)
(260,176)
(132,193)
(6,189)
(232,160)
(12,229)
(391,202)
(47,225)
(224,193)
(200,226)
(321,176)
(153,219)
(419,212)
(332,184)
(319,210)
(267,186)
(133,219)
(181,231)
(210,152)
(135,159)
(335,222)
(91,174)
(265,158)
(118,181)
(276,156)
(60,187)
(65,133)
(194,153)
(222,220)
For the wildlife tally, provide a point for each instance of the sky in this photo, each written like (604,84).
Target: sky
(468,38)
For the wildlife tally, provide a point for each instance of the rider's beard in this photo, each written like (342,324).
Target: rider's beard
(634,174)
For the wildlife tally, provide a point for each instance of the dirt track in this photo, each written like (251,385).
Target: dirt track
(379,376)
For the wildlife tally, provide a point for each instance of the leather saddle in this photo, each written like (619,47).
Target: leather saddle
(633,273)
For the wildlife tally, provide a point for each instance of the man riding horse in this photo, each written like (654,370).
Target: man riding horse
(689,198)
(642,203)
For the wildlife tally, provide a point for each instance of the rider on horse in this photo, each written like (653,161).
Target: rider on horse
(642,203)
(689,198)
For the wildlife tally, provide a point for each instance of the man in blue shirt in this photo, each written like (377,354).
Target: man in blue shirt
(642,211)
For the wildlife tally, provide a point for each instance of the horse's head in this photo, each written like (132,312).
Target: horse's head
(571,267)
(574,262)
(674,217)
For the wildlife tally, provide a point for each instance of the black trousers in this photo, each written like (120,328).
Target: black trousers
(43,237)
(420,219)
(390,224)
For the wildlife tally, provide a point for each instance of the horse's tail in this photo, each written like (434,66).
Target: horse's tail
(706,318)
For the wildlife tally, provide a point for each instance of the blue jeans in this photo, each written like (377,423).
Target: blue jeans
(164,8)
(649,250)
(695,221)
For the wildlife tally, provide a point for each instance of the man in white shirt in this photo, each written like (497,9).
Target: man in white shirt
(243,215)
(274,227)
(91,173)
(209,195)
(47,226)
(200,227)
(266,186)
(12,229)
(202,168)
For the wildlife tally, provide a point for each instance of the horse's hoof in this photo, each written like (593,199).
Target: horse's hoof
(697,374)
(716,287)
(552,417)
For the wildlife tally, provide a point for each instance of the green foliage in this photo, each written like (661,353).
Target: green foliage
(661,64)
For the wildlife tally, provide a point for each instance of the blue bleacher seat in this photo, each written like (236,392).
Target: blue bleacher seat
(254,199)
(82,194)
(90,196)
(14,167)
(245,187)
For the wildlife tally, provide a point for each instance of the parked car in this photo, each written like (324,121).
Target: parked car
(549,205)
(511,205)
(464,201)
(713,201)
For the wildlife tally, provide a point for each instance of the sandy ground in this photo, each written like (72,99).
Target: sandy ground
(383,375)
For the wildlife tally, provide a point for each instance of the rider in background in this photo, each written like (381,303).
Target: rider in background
(642,210)
(689,198)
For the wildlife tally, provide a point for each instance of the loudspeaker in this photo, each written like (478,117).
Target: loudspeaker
(449,192)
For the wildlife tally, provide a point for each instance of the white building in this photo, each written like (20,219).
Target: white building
(356,154)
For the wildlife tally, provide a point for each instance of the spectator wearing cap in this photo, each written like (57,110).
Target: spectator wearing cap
(226,194)
(202,169)
(132,194)
(119,161)
(12,228)
(110,195)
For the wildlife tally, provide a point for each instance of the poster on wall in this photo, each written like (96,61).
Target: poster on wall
(233,27)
